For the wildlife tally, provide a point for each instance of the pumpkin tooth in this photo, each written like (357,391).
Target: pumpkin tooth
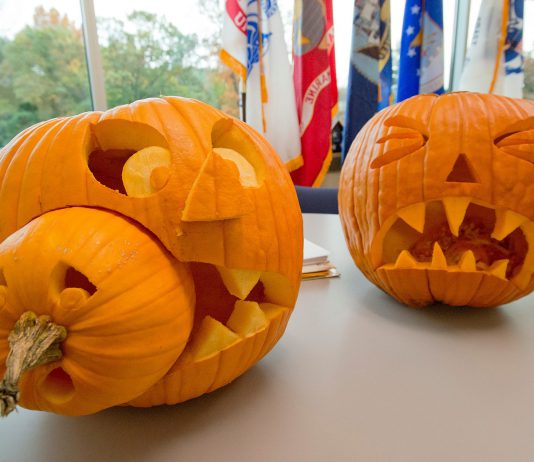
(524,277)
(405,260)
(239,282)
(506,223)
(414,215)
(277,289)
(247,318)
(272,310)
(498,268)
(455,209)
(468,261)
(438,258)
(211,337)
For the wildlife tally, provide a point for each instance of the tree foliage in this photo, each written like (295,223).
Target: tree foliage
(43,72)
(154,60)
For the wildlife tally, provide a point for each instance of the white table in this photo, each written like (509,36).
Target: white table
(357,377)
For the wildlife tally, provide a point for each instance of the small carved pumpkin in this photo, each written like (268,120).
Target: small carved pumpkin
(437,199)
(202,195)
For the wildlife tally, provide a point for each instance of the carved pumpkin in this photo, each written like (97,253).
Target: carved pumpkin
(437,199)
(203,195)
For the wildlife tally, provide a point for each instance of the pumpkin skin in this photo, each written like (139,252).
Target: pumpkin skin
(206,187)
(124,319)
(456,170)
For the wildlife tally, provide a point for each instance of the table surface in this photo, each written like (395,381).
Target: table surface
(356,377)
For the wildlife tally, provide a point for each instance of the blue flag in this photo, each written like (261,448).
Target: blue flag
(513,48)
(421,65)
(369,87)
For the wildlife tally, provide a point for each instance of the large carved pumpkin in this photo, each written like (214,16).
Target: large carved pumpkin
(437,199)
(160,241)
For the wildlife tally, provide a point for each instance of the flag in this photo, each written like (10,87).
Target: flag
(253,47)
(495,62)
(314,77)
(370,71)
(421,64)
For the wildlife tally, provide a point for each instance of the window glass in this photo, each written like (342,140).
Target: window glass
(164,48)
(43,71)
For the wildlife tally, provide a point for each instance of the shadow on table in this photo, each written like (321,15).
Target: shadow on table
(140,434)
(438,316)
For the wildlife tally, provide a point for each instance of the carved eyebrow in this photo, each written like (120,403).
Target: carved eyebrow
(401,121)
(520,126)
(417,134)
(400,136)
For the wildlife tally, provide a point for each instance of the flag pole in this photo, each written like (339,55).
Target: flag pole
(243,91)
(263,84)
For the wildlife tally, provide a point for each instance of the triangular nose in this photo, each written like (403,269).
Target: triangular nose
(462,171)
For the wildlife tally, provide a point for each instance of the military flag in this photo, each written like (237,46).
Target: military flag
(253,47)
(495,62)
(421,65)
(314,76)
(370,71)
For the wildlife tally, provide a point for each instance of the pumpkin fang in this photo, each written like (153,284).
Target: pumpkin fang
(232,308)
(458,234)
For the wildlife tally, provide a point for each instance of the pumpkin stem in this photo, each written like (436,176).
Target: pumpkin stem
(35,340)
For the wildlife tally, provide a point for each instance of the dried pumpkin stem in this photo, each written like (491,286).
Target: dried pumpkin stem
(33,341)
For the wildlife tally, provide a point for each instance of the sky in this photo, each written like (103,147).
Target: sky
(14,14)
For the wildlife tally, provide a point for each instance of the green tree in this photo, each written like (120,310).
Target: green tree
(42,73)
(156,59)
(43,70)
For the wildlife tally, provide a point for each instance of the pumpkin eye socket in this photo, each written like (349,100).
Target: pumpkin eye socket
(3,289)
(407,137)
(131,158)
(518,143)
(75,279)
(74,287)
(228,142)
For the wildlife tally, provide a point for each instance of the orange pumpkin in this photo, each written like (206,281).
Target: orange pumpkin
(207,191)
(437,199)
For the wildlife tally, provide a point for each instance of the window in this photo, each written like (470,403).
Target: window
(43,71)
(157,48)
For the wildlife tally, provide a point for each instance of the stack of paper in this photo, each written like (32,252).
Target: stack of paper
(316,262)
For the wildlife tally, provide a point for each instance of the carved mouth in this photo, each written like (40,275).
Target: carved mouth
(231,305)
(458,234)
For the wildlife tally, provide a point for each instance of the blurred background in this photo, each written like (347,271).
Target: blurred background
(157,47)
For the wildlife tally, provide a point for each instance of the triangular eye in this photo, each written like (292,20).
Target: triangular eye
(462,171)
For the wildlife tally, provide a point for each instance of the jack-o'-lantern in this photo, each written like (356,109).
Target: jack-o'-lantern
(437,199)
(160,241)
